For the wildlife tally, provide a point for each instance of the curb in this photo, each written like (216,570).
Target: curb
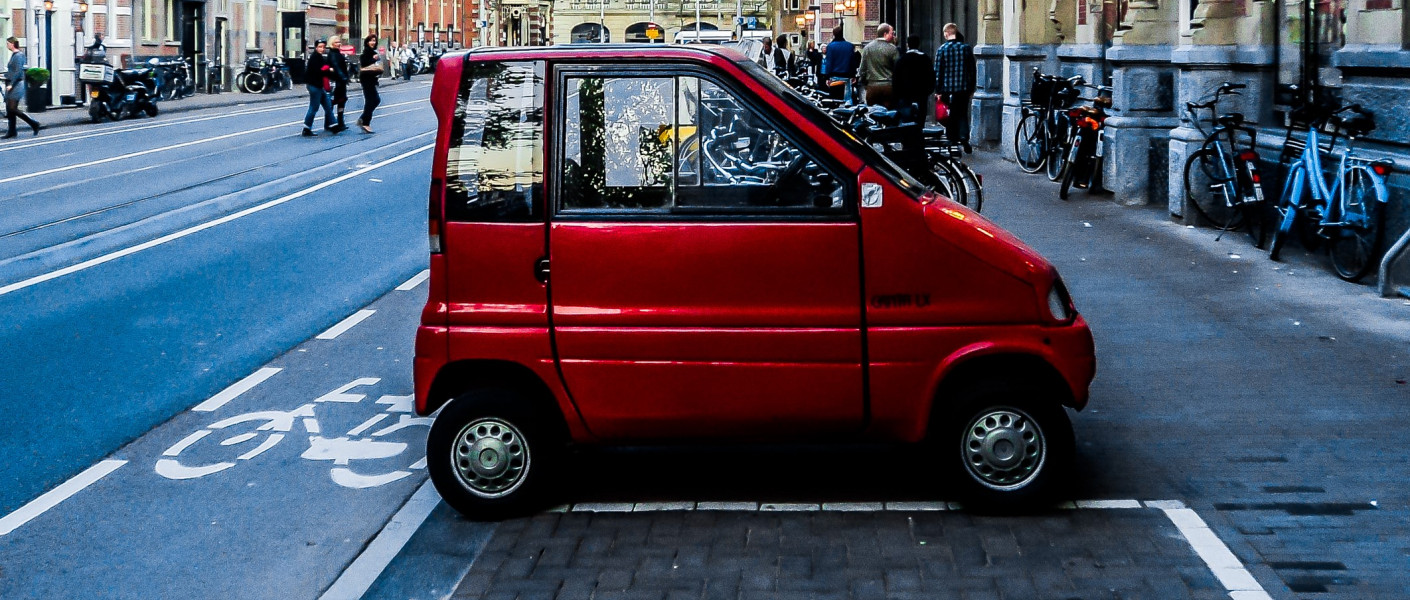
(67,117)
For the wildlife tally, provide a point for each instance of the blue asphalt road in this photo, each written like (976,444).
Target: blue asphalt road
(90,361)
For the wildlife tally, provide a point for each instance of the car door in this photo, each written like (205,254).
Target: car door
(705,275)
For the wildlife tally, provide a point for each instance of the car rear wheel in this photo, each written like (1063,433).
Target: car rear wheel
(1011,446)
(491,456)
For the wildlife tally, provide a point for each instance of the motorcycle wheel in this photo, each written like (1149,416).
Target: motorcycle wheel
(97,111)
(151,109)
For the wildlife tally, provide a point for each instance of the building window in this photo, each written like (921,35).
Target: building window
(172,22)
(148,16)
(252,24)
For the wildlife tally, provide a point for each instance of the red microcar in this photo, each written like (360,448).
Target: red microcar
(640,244)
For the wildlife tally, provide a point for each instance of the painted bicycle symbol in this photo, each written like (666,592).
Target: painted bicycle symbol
(262,430)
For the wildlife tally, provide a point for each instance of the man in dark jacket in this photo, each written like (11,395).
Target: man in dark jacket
(341,74)
(913,81)
(15,88)
(316,77)
(954,82)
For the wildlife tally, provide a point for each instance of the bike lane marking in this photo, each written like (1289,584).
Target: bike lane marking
(234,391)
(171,147)
(414,281)
(88,264)
(368,566)
(346,324)
(53,497)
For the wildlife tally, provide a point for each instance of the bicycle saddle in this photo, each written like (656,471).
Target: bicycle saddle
(1231,120)
(884,115)
(1361,122)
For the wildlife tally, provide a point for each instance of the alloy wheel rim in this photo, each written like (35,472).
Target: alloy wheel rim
(1003,448)
(491,457)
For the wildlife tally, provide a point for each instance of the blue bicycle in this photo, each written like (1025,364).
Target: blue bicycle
(1346,207)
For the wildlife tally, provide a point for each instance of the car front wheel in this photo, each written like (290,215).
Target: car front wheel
(1012,446)
(490,455)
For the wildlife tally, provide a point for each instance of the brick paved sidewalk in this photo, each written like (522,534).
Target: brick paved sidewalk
(57,117)
(739,555)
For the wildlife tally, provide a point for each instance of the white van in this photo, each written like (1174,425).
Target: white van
(704,36)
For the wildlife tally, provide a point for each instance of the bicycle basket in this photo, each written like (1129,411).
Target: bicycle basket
(1042,89)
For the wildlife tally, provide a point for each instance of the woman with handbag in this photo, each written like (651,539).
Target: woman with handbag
(371,69)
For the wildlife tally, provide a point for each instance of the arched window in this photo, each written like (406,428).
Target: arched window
(703,27)
(643,32)
(589,32)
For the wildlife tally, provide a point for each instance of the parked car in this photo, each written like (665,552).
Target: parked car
(641,244)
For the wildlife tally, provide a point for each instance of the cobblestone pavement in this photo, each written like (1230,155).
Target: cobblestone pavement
(666,556)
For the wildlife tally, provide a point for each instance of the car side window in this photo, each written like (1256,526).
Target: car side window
(494,166)
(682,146)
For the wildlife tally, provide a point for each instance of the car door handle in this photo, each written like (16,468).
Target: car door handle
(541,270)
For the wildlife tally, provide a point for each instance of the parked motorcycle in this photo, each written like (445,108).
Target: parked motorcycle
(115,94)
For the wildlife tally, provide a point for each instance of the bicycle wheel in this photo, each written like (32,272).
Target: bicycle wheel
(1286,211)
(942,176)
(1071,171)
(1353,246)
(241,80)
(1059,146)
(1028,143)
(1205,193)
(255,83)
(973,187)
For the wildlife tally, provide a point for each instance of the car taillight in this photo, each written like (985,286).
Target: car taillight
(433,214)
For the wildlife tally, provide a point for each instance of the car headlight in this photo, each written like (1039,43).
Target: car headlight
(1059,303)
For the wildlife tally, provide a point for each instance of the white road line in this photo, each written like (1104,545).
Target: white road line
(165,148)
(116,130)
(88,264)
(414,281)
(368,566)
(346,324)
(1226,567)
(239,387)
(53,497)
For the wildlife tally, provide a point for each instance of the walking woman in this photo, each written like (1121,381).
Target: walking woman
(316,76)
(371,70)
(15,87)
(340,80)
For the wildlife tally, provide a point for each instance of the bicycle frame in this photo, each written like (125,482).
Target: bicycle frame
(1328,200)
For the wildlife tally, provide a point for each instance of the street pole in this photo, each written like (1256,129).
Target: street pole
(697,21)
(602,23)
(739,19)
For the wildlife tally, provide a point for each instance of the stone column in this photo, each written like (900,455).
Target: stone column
(987,107)
(1143,103)
(1030,40)
(1222,40)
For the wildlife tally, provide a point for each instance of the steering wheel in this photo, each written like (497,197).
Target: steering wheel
(789,172)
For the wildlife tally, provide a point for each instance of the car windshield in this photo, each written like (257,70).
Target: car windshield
(813,113)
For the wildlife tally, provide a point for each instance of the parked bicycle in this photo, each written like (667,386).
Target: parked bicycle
(264,75)
(1344,207)
(173,79)
(1039,136)
(1222,182)
(923,152)
(1083,149)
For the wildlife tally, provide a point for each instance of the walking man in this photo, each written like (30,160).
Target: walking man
(915,79)
(15,88)
(837,65)
(878,65)
(954,82)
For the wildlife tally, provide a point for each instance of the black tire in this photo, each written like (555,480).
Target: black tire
(1285,213)
(151,109)
(1029,140)
(255,83)
(1354,249)
(498,421)
(1058,149)
(986,421)
(1202,172)
(97,111)
(946,180)
(973,187)
(1071,171)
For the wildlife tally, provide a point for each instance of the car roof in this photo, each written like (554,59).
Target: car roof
(600,50)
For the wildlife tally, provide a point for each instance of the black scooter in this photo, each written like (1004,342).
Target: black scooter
(130,93)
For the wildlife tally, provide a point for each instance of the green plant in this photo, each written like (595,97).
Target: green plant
(37,76)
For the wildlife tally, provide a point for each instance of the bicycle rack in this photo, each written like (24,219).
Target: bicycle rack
(1393,254)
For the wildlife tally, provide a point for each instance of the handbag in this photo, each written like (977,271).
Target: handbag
(373,69)
(942,111)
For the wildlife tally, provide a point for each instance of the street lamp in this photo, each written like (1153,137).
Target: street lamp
(849,7)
